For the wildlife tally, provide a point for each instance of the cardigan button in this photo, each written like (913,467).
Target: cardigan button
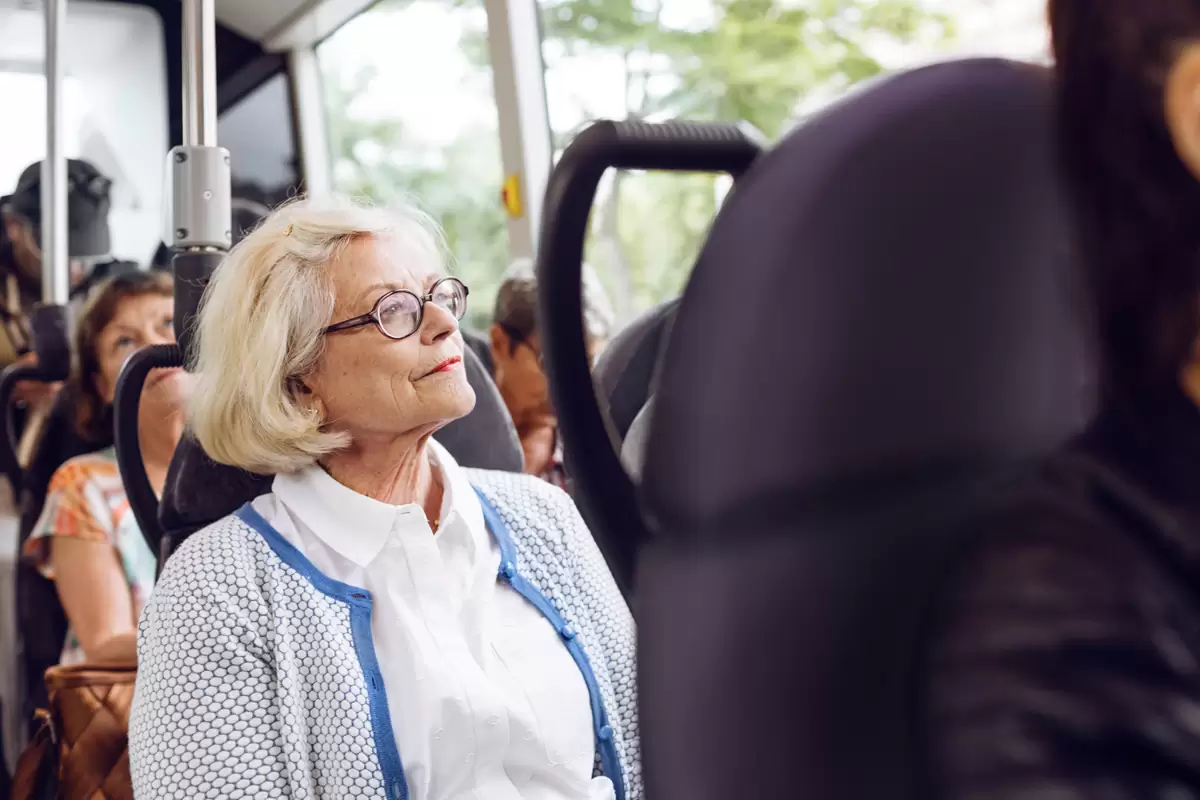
(508,570)
(397,790)
(567,633)
(605,733)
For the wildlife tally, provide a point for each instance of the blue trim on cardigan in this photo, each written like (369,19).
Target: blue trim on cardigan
(361,605)
(509,573)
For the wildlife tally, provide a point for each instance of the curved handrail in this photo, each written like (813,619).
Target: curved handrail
(10,440)
(143,500)
(669,146)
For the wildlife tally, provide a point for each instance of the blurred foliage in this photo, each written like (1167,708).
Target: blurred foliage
(757,61)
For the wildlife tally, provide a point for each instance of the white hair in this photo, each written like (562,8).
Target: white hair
(261,327)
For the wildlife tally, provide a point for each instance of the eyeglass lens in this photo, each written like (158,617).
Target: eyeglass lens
(400,312)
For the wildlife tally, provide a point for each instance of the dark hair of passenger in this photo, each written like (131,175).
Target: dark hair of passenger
(93,416)
(1137,204)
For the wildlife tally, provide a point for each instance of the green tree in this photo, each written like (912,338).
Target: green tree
(753,61)
(737,60)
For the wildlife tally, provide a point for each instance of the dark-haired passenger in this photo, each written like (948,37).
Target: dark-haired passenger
(1070,662)
(87,539)
(513,353)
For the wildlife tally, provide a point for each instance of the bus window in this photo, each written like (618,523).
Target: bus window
(761,61)
(115,107)
(260,136)
(411,112)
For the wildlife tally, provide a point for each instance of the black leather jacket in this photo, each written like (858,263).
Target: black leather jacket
(1068,665)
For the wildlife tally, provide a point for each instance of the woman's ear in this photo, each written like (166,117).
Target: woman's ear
(1181,104)
(306,397)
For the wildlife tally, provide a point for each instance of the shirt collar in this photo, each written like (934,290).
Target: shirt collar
(357,526)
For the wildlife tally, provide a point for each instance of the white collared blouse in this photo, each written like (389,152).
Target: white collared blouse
(484,699)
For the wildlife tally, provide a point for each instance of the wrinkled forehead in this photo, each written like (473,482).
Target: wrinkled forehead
(369,266)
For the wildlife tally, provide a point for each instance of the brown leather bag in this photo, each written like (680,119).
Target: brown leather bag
(81,749)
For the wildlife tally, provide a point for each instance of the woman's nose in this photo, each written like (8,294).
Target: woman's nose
(437,324)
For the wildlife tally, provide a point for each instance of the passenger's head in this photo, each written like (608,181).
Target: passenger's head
(516,341)
(88,236)
(1129,113)
(123,315)
(313,337)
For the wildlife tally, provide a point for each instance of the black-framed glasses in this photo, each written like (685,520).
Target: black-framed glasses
(398,314)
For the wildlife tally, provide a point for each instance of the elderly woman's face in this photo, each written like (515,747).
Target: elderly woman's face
(372,386)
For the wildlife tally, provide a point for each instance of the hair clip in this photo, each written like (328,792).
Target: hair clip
(289,230)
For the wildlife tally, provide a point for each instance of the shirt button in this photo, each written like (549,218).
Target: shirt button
(508,570)
(605,733)
(567,633)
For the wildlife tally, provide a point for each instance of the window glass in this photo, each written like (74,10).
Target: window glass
(259,133)
(115,107)
(411,114)
(760,61)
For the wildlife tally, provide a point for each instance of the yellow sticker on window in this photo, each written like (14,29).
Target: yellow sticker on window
(511,195)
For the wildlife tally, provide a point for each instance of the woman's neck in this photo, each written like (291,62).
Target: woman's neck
(158,441)
(396,472)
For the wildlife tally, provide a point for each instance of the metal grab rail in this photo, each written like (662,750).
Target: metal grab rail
(602,483)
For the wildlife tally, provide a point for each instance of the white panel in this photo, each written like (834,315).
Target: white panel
(257,19)
(116,106)
(310,118)
(318,21)
(514,39)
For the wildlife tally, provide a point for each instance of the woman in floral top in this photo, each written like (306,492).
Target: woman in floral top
(87,539)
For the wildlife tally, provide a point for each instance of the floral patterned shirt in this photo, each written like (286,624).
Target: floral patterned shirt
(86,500)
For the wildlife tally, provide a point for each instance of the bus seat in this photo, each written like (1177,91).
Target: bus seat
(41,620)
(626,369)
(877,336)
(199,491)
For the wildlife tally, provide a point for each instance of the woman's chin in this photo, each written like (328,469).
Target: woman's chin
(461,401)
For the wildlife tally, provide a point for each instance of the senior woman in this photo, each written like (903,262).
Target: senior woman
(384,623)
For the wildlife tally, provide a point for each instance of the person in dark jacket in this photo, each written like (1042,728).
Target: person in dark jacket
(1068,665)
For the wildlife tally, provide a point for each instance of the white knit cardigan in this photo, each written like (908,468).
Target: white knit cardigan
(258,676)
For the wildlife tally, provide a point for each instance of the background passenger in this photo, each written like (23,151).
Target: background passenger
(382,619)
(87,539)
(1070,665)
(514,353)
(89,246)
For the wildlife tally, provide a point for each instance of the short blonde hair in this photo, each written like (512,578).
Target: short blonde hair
(261,327)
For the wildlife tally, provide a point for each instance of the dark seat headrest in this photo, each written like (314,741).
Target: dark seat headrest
(901,256)
(625,372)
(878,332)
(199,491)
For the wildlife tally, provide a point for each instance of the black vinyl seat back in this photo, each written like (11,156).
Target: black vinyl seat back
(902,339)
(626,370)
(200,491)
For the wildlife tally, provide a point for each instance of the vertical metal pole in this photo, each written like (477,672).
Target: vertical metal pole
(55,272)
(201,183)
(199,74)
